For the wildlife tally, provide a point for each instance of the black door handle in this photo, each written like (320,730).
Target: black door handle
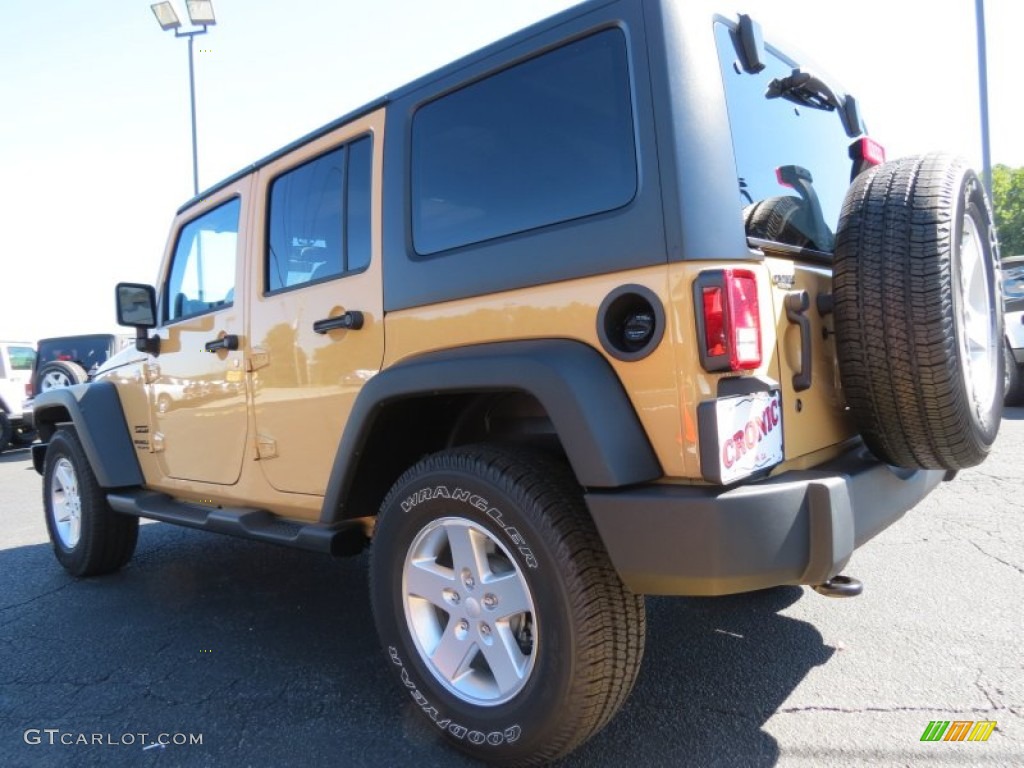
(349,321)
(227,342)
(797,304)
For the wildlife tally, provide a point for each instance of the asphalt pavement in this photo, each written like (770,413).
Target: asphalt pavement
(252,655)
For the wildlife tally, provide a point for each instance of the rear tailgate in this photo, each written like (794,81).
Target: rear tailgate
(814,415)
(794,140)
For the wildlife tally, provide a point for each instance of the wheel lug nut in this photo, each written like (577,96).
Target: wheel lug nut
(485,630)
(490,600)
(464,625)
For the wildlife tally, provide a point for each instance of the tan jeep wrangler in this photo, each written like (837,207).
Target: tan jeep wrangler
(625,304)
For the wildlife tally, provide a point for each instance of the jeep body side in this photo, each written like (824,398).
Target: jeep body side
(543,261)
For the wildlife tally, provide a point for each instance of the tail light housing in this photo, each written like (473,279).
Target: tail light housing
(865,153)
(728,320)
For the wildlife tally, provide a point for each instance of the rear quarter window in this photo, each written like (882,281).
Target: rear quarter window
(545,141)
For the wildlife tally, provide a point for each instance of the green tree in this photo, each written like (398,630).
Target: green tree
(1008,191)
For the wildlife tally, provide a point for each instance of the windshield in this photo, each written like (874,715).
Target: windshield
(776,140)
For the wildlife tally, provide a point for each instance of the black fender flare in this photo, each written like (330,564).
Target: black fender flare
(594,418)
(96,413)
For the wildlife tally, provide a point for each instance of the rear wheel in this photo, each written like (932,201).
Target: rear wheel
(918,324)
(88,537)
(498,607)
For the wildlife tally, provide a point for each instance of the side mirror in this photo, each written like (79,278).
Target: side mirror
(136,308)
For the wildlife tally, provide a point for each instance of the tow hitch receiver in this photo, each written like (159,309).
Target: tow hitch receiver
(839,586)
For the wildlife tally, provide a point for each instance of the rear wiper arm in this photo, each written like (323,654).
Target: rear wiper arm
(805,89)
(809,90)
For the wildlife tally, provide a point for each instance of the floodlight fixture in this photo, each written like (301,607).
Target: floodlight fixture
(165,16)
(200,12)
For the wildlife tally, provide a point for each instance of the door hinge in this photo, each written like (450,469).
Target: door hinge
(266,447)
(257,358)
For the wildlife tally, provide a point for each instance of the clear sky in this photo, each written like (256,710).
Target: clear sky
(95,148)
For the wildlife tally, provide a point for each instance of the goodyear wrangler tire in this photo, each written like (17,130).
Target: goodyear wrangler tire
(89,538)
(498,607)
(917,315)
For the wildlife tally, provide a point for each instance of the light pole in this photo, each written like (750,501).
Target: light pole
(986,155)
(200,13)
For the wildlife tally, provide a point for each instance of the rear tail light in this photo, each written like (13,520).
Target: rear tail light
(871,152)
(729,322)
(865,153)
(28,389)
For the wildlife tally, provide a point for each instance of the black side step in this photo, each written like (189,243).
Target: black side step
(259,524)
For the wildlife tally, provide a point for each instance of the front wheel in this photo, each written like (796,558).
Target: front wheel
(89,538)
(498,607)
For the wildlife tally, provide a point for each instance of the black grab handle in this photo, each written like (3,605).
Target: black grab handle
(348,321)
(797,304)
(227,342)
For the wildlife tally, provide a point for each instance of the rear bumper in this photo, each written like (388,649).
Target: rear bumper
(798,528)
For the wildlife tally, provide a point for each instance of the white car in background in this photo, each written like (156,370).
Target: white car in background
(1013,298)
(16,361)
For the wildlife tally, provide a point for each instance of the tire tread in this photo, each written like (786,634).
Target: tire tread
(895,314)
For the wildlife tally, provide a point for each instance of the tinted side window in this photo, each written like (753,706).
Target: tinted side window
(203,271)
(545,141)
(319,218)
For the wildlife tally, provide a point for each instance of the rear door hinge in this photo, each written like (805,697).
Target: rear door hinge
(266,447)
(257,358)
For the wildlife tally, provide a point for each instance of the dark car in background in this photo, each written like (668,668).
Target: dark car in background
(1013,306)
(65,360)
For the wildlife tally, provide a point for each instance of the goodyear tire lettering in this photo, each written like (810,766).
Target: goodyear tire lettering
(494,738)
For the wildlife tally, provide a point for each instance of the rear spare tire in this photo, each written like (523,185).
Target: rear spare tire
(919,333)
(58,374)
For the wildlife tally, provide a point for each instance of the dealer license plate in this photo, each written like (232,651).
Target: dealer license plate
(749,432)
